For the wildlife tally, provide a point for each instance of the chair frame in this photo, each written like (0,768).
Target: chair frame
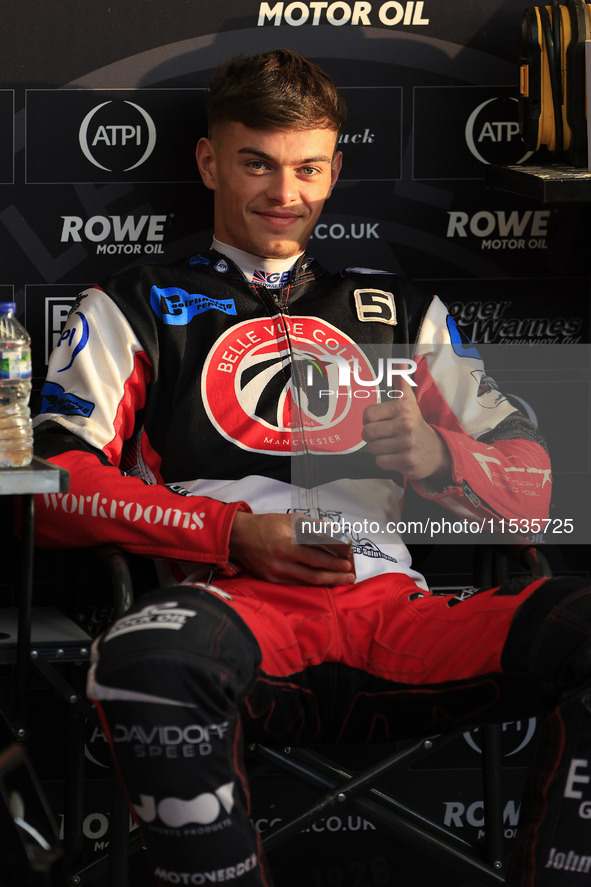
(337,784)
(487,865)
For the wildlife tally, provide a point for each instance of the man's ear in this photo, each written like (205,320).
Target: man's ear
(337,162)
(205,155)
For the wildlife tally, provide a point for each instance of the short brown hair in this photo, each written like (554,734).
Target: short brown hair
(275,90)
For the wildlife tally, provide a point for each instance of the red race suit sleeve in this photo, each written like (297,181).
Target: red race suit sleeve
(500,464)
(97,383)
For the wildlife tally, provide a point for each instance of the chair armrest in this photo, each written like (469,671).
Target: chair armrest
(119,573)
(492,562)
(530,557)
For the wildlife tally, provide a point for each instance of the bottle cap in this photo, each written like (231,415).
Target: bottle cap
(7,307)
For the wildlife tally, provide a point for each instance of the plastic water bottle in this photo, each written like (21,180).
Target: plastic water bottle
(16,430)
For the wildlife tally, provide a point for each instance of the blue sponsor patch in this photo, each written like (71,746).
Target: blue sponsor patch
(199,260)
(68,338)
(177,307)
(271,278)
(54,399)
(462,345)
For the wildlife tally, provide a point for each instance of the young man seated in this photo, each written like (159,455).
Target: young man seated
(190,403)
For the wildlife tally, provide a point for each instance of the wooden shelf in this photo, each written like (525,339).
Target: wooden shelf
(549,183)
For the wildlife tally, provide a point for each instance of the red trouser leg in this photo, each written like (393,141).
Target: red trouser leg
(374,660)
(410,663)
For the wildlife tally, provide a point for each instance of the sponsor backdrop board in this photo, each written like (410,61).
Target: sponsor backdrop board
(343,847)
(100,107)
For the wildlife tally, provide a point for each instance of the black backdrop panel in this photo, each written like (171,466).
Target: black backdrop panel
(101,104)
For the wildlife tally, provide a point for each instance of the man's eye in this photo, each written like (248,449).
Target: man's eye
(309,170)
(256,165)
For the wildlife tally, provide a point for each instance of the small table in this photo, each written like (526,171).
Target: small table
(38,477)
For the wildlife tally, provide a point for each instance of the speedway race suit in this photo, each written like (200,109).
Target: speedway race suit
(175,397)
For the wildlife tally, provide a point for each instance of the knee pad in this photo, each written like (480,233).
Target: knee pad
(550,631)
(172,631)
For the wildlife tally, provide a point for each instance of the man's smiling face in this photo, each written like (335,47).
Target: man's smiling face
(269,185)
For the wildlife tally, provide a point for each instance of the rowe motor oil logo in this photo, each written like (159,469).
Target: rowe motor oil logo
(257,394)
(129,235)
(360,13)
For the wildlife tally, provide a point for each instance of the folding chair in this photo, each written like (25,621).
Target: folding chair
(31,847)
(364,791)
(49,641)
(338,786)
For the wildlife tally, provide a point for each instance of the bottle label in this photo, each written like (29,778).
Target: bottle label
(15,366)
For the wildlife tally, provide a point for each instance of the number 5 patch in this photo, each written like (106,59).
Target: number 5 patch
(375,306)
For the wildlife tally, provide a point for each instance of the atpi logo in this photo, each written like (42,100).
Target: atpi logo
(492,132)
(515,736)
(117,136)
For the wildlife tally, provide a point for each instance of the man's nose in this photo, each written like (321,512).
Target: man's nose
(282,187)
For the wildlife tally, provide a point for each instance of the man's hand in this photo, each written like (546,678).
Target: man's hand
(402,441)
(262,544)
